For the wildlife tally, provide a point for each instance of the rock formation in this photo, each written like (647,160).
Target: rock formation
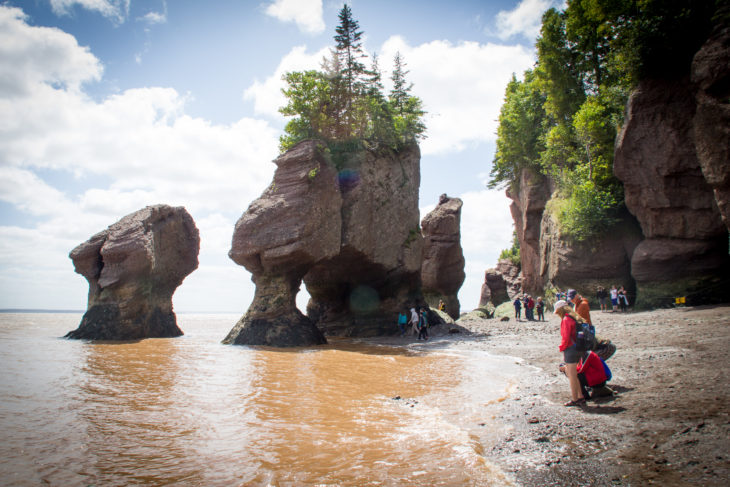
(294,224)
(442,268)
(673,157)
(686,242)
(349,232)
(548,260)
(711,78)
(528,204)
(587,265)
(133,268)
(501,283)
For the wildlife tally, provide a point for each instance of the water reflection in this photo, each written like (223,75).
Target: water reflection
(190,411)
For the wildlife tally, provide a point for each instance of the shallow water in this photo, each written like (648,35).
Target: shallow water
(191,411)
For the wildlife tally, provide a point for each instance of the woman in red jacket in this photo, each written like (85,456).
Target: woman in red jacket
(571,355)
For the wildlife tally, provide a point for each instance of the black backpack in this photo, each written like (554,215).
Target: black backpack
(585,336)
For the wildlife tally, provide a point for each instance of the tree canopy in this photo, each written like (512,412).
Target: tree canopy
(344,102)
(562,119)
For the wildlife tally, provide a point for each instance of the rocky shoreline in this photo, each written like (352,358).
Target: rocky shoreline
(668,423)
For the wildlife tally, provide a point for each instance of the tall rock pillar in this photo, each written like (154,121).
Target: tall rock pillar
(442,268)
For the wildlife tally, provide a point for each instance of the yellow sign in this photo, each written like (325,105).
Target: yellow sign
(681,300)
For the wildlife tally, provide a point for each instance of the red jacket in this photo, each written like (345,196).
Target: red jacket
(593,370)
(567,332)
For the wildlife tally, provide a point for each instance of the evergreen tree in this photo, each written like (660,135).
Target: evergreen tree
(401,89)
(344,103)
(349,50)
(407,109)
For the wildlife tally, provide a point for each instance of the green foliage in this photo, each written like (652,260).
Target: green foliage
(345,101)
(588,209)
(562,119)
(413,234)
(513,253)
(519,141)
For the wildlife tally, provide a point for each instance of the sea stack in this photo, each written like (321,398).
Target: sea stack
(347,226)
(133,268)
(442,267)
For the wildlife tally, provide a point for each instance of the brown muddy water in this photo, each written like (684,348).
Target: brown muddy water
(191,411)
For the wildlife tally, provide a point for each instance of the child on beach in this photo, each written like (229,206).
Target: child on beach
(518,307)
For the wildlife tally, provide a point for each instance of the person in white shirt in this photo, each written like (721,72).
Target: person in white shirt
(414,321)
(614,297)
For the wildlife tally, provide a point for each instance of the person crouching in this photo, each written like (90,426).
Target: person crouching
(571,355)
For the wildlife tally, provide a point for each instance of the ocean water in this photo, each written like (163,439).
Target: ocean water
(191,411)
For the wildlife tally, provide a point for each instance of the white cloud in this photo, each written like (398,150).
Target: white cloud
(133,149)
(307,14)
(461,85)
(33,55)
(524,20)
(117,10)
(266,95)
(486,229)
(153,18)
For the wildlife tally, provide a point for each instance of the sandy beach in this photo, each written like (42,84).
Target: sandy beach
(667,424)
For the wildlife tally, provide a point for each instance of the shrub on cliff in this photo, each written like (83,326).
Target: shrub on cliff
(344,101)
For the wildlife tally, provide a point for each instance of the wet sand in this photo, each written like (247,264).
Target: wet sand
(668,423)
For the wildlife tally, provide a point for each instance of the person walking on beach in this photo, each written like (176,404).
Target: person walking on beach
(530,308)
(571,355)
(623,301)
(518,307)
(414,321)
(582,307)
(423,325)
(540,307)
(614,298)
(402,321)
(602,296)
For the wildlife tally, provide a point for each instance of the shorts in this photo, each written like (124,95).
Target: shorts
(571,355)
(603,301)
(614,301)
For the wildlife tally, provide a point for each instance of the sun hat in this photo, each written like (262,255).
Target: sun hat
(558,305)
(571,293)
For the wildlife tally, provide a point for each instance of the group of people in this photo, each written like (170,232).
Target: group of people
(585,368)
(530,306)
(618,296)
(417,319)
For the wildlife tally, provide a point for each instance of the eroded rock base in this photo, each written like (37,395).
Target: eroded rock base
(104,322)
(292,330)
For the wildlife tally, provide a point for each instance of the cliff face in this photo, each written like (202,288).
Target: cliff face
(711,78)
(685,250)
(587,265)
(442,268)
(549,260)
(528,205)
(350,234)
(133,268)
(673,157)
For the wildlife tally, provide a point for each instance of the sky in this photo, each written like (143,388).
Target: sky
(107,106)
